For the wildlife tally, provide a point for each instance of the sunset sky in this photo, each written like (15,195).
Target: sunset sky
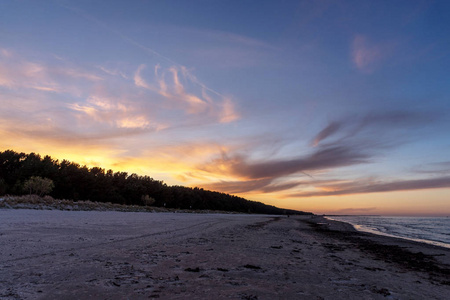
(322,106)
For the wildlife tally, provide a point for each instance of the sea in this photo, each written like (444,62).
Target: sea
(435,231)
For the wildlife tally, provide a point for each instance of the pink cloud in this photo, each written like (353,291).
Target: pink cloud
(18,72)
(115,112)
(228,112)
(138,80)
(368,55)
(182,90)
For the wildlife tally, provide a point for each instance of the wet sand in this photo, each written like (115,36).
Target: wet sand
(125,255)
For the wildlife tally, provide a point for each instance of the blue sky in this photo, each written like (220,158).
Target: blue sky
(325,106)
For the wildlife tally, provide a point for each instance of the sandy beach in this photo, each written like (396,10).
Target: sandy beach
(49,254)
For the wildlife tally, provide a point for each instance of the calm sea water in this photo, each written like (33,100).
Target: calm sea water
(428,230)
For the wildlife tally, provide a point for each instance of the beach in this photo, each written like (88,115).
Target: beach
(53,254)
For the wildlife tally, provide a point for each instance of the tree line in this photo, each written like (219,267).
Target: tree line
(75,182)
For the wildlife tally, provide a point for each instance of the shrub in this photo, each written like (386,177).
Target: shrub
(38,185)
(147,200)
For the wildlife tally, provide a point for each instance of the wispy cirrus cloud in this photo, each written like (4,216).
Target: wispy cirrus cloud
(185,91)
(139,81)
(113,71)
(225,50)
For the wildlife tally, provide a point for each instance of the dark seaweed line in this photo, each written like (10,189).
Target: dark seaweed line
(389,253)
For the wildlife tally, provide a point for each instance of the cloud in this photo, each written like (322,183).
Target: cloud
(138,80)
(122,36)
(356,141)
(363,187)
(237,187)
(260,175)
(170,87)
(41,129)
(367,55)
(182,90)
(345,142)
(45,88)
(17,72)
(245,186)
(332,128)
(438,168)
(225,50)
(324,158)
(381,124)
(113,71)
(78,74)
(227,112)
(114,112)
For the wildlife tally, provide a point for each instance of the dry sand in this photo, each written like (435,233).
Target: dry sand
(125,255)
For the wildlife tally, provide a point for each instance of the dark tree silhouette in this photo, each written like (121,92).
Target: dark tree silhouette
(74,182)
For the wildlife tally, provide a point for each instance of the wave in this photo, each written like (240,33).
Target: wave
(434,231)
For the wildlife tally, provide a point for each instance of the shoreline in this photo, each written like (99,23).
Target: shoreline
(115,255)
(379,233)
(414,256)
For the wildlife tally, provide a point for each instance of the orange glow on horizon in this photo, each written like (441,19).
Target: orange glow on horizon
(173,172)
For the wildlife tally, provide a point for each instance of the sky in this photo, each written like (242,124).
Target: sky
(332,107)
